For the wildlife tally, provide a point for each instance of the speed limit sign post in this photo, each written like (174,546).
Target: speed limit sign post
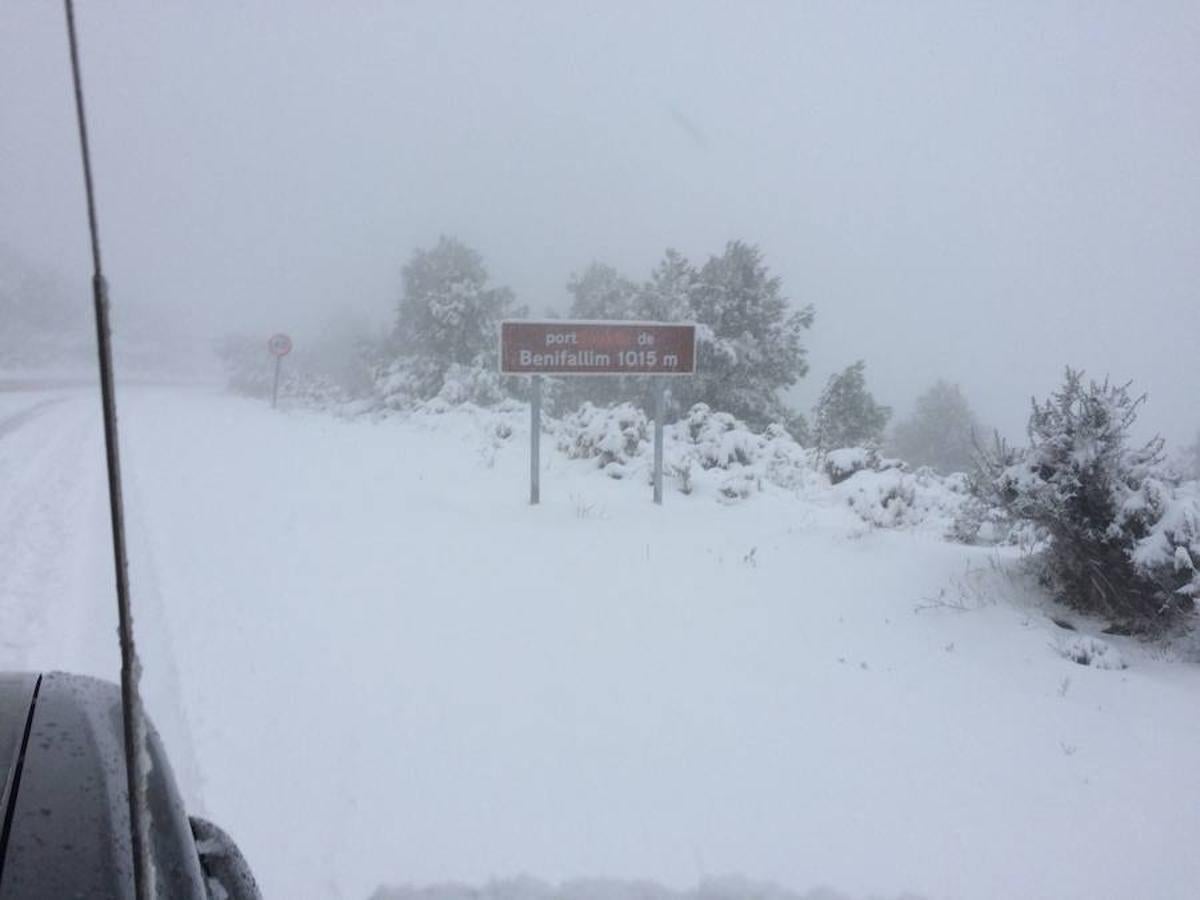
(279,346)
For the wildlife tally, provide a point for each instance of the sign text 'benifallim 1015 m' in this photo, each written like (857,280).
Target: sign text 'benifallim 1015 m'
(564,347)
(597,348)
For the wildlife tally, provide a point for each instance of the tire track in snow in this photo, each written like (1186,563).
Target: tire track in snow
(47,473)
(11,423)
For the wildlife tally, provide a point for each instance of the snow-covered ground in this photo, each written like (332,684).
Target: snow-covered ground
(374,664)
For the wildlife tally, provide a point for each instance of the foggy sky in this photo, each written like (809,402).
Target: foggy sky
(981,193)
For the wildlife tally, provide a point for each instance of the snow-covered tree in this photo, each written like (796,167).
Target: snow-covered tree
(448,313)
(846,414)
(749,339)
(598,292)
(1123,541)
(940,433)
(750,344)
(601,292)
(667,296)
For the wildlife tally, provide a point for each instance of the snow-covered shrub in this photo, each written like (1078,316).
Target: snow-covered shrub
(980,522)
(612,436)
(1167,514)
(840,464)
(714,451)
(1115,520)
(889,497)
(471,384)
(719,439)
(1090,651)
(681,471)
(312,391)
(784,461)
(882,501)
(738,485)
(404,382)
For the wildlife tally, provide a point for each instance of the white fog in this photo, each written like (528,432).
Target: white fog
(915,616)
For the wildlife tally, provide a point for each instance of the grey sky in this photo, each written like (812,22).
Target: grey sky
(979,192)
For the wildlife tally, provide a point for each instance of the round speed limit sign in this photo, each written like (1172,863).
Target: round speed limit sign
(279,345)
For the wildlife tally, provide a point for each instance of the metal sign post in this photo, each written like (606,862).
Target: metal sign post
(535,441)
(660,412)
(279,346)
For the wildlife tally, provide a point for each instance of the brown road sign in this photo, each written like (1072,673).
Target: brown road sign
(562,347)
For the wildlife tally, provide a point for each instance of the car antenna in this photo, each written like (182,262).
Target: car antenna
(131,706)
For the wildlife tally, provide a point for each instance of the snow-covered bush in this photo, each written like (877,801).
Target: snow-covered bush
(1167,514)
(404,382)
(981,522)
(738,485)
(783,460)
(313,391)
(715,442)
(889,497)
(407,382)
(1091,651)
(471,384)
(612,436)
(719,440)
(1122,535)
(715,452)
(843,462)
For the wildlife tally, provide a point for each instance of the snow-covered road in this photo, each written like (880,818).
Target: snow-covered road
(373,662)
(53,527)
